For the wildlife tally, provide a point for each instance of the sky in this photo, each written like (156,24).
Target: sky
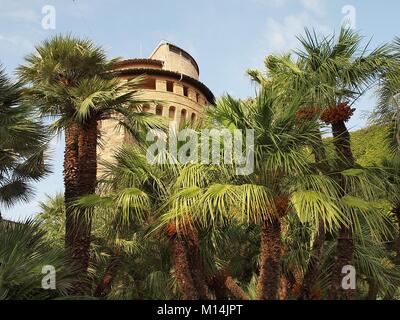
(226,37)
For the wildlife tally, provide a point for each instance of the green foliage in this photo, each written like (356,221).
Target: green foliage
(52,219)
(140,207)
(70,79)
(24,251)
(23,141)
(369,145)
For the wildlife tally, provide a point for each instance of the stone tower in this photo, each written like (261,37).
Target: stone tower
(172,76)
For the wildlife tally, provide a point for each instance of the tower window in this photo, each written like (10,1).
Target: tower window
(159,110)
(174,50)
(186,56)
(170,86)
(193,117)
(146,108)
(149,84)
(172,112)
(197,97)
(183,116)
(185,91)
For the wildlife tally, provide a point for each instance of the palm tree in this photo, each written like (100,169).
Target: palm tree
(133,189)
(387,111)
(279,75)
(392,168)
(281,155)
(129,187)
(109,234)
(266,196)
(24,252)
(52,219)
(333,73)
(69,80)
(23,141)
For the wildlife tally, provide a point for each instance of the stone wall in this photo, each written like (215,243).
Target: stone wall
(169,97)
(176,60)
(172,105)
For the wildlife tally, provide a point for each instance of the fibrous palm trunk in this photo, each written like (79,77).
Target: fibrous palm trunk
(296,281)
(283,293)
(80,169)
(181,269)
(314,265)
(224,286)
(373,290)
(235,290)
(71,182)
(217,284)
(195,262)
(345,243)
(270,264)
(104,286)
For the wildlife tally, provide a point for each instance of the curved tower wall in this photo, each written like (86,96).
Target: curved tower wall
(178,98)
(176,59)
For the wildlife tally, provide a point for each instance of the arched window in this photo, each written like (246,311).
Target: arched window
(172,112)
(159,110)
(146,108)
(193,117)
(183,116)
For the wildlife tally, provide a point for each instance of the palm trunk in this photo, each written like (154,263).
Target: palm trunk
(181,269)
(80,169)
(235,290)
(373,290)
(297,281)
(270,264)
(313,266)
(344,257)
(345,242)
(283,293)
(195,262)
(217,284)
(284,284)
(88,180)
(71,185)
(104,286)
(342,145)
(224,285)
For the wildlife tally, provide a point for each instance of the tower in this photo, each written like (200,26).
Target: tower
(171,77)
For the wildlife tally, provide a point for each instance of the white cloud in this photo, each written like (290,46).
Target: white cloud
(21,16)
(272,3)
(17,11)
(15,41)
(281,35)
(315,6)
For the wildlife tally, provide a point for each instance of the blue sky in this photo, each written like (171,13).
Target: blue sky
(226,37)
